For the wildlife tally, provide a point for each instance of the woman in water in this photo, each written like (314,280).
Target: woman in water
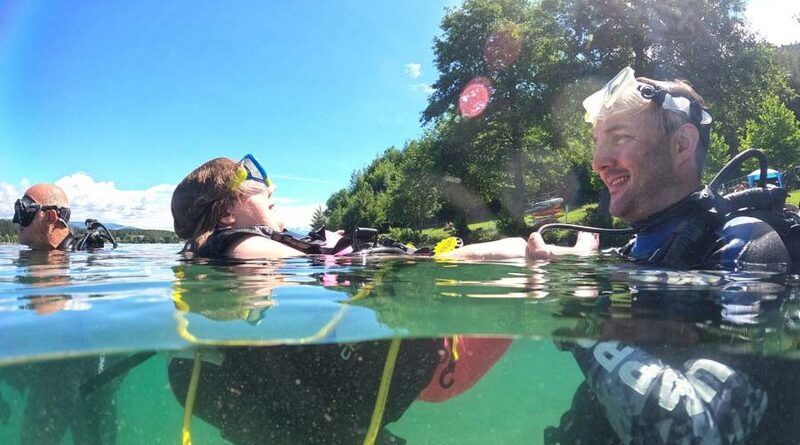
(225,208)
(324,393)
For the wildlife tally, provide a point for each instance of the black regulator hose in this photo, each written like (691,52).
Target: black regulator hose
(737,161)
(590,229)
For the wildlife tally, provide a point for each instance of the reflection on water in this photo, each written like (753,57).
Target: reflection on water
(300,351)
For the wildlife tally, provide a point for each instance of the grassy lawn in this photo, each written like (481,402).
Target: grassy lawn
(489,228)
(794,197)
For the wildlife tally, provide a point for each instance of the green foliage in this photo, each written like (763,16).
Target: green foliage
(9,234)
(531,138)
(495,153)
(414,198)
(789,58)
(705,42)
(145,236)
(718,155)
(407,235)
(365,202)
(8,231)
(776,131)
(319,218)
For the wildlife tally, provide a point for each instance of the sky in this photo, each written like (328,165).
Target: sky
(117,101)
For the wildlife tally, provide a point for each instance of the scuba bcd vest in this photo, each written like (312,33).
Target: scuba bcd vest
(95,238)
(705,211)
(362,241)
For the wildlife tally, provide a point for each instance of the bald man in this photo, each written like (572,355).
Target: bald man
(43,216)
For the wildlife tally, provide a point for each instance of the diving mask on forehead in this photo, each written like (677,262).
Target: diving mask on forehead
(625,94)
(249,170)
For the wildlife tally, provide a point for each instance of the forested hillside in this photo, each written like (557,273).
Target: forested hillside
(9,231)
(504,122)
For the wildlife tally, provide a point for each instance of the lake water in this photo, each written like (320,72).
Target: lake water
(296,351)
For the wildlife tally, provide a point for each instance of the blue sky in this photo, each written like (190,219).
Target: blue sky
(117,101)
(140,93)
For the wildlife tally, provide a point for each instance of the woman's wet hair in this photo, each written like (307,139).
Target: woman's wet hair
(203,197)
(670,122)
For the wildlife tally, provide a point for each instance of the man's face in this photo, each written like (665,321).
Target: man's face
(35,235)
(634,160)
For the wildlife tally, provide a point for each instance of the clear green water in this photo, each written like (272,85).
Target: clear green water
(59,312)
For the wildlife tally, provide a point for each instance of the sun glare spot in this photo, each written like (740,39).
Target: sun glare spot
(501,50)
(475,97)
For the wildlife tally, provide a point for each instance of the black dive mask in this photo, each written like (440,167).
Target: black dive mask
(25,211)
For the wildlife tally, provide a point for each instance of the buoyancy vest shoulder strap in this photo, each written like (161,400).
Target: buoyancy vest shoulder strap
(222,240)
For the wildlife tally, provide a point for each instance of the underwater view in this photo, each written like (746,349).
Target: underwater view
(554,222)
(101,345)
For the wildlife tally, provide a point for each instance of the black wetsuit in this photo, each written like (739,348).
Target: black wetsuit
(305,394)
(54,402)
(310,394)
(70,243)
(672,395)
(222,240)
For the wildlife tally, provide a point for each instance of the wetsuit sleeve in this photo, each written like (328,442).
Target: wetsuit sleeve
(747,242)
(648,402)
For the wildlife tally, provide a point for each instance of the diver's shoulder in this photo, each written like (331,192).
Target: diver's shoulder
(744,226)
(255,247)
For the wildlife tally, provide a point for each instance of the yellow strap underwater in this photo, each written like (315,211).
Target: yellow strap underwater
(191,394)
(383,392)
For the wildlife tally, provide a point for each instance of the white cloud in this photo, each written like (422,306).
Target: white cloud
(421,87)
(775,20)
(298,218)
(145,209)
(8,194)
(413,70)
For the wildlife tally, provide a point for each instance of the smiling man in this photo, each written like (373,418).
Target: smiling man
(651,140)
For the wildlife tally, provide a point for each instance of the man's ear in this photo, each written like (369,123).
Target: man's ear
(226,220)
(51,216)
(686,138)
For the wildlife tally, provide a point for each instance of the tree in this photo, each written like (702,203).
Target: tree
(718,155)
(414,198)
(364,203)
(789,57)
(319,218)
(705,42)
(517,49)
(776,131)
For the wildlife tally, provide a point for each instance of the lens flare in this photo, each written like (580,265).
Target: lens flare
(501,50)
(475,97)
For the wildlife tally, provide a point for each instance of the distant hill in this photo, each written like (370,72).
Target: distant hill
(80,225)
(123,234)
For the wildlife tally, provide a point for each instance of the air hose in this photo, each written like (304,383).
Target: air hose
(191,395)
(383,393)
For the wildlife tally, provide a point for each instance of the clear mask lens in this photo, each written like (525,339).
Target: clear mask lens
(619,95)
(624,94)
(254,170)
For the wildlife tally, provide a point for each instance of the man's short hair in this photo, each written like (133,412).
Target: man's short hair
(669,122)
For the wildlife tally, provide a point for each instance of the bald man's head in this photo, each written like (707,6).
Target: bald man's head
(48,195)
(49,226)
